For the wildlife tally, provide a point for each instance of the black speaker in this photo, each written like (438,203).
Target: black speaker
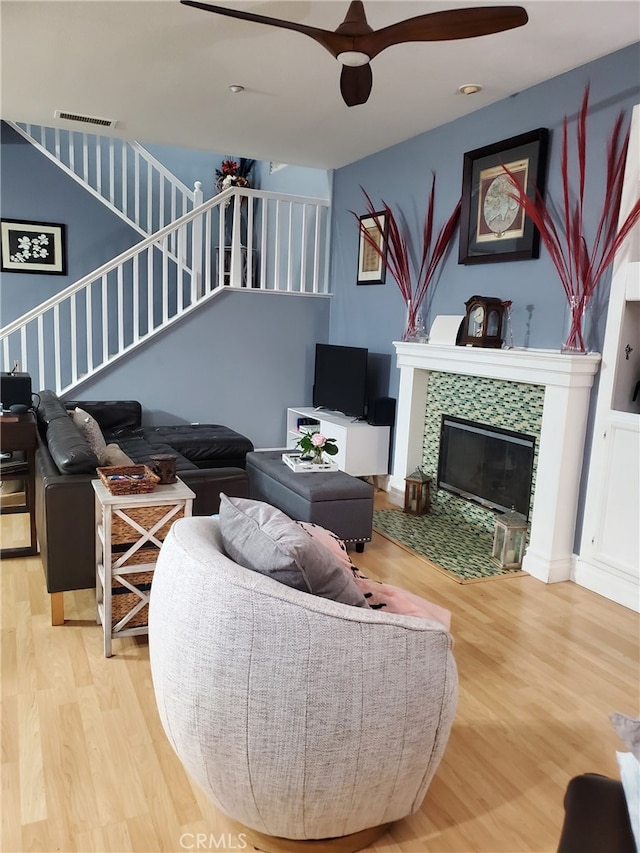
(382,411)
(15,390)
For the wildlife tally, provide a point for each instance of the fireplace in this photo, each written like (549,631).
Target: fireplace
(486,464)
(562,383)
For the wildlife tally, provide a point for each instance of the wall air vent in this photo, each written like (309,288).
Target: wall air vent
(101,122)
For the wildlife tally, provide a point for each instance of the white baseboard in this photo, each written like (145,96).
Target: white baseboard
(623,589)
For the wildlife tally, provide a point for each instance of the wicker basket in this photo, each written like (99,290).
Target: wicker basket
(128,479)
(122,600)
(123,535)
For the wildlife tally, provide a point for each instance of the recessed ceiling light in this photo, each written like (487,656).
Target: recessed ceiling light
(470,88)
(235,88)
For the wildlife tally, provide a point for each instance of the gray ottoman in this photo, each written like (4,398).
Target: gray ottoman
(335,500)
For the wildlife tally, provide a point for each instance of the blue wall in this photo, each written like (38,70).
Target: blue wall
(33,188)
(250,355)
(374,316)
(191,166)
(240,362)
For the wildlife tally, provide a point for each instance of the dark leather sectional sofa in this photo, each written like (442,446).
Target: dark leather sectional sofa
(210,460)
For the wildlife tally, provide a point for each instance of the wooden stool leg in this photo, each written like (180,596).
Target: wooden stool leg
(57,608)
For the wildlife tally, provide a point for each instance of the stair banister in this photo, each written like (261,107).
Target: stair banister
(181,200)
(98,319)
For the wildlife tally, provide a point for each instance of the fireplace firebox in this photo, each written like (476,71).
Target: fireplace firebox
(485,464)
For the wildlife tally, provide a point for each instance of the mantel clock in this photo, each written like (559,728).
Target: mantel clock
(483,322)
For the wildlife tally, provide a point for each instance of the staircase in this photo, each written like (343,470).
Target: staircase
(122,175)
(242,240)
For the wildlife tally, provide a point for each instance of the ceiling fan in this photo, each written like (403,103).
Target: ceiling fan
(354,43)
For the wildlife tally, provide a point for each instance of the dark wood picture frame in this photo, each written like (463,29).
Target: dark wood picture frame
(372,267)
(493,226)
(32,247)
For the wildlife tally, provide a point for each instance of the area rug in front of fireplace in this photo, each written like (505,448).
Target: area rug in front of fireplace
(459,550)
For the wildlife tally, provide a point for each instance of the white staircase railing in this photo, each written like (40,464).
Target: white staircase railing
(123,175)
(242,239)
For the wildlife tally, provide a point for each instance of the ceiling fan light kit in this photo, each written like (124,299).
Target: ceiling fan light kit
(353,58)
(354,43)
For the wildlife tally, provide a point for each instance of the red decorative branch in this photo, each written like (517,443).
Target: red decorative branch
(580,266)
(393,249)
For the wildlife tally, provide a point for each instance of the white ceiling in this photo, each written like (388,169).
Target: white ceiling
(163,71)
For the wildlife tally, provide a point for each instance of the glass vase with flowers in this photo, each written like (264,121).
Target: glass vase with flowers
(315,445)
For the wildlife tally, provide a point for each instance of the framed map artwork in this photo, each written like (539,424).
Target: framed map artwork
(493,225)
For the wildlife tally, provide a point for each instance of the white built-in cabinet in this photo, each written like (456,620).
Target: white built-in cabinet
(609,559)
(363,449)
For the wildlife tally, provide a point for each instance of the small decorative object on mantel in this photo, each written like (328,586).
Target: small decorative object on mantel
(315,445)
(482,324)
(392,246)
(581,263)
(509,539)
(417,493)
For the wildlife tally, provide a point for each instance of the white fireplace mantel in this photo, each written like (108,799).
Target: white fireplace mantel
(567,380)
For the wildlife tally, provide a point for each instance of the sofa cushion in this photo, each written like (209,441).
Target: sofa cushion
(139,449)
(111,414)
(204,444)
(69,449)
(264,539)
(113,455)
(90,429)
(49,407)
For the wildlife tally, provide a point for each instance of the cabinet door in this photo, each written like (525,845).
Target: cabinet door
(330,429)
(617,540)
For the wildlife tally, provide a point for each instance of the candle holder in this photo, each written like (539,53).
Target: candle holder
(417,493)
(509,539)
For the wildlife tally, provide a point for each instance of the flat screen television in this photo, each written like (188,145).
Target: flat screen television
(486,464)
(340,379)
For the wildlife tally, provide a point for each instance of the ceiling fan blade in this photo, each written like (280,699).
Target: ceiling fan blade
(355,84)
(355,36)
(444,26)
(333,42)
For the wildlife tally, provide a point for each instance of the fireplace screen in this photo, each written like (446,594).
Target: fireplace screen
(486,464)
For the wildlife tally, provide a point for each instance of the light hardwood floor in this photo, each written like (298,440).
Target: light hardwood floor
(86,765)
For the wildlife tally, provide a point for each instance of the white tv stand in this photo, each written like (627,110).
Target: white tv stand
(363,449)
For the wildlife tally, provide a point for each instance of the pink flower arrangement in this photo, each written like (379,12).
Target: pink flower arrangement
(315,444)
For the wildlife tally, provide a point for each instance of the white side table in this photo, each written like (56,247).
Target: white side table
(130,530)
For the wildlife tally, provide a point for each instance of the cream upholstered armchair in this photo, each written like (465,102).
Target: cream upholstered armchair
(301,717)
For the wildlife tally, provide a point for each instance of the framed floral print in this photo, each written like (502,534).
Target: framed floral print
(32,247)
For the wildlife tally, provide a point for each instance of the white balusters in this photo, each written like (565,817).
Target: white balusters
(64,340)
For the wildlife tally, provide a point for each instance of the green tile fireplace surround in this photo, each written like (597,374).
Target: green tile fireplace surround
(510,405)
(543,393)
